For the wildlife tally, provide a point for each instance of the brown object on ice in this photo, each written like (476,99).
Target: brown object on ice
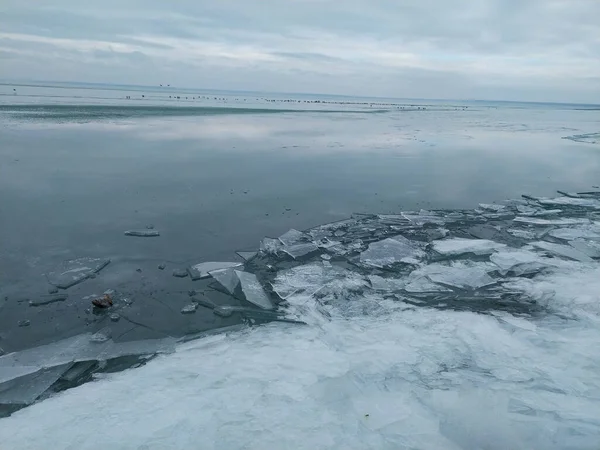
(103,302)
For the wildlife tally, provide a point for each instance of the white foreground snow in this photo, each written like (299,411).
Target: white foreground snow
(413,378)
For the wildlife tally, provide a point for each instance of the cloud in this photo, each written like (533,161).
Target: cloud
(504,49)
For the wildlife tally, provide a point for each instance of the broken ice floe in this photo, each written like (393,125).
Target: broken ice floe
(72,272)
(487,260)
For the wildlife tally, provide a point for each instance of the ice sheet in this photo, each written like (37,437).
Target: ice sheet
(562,250)
(589,247)
(72,272)
(570,201)
(569,234)
(459,246)
(519,262)
(392,251)
(25,390)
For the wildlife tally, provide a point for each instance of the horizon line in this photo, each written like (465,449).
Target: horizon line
(30,83)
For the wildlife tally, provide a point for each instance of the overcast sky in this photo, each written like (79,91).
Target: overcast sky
(540,50)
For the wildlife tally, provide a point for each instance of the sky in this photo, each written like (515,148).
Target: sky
(530,50)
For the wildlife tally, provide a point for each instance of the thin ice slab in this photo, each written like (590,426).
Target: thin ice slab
(459,275)
(571,234)
(519,262)
(392,251)
(27,389)
(562,250)
(43,300)
(9,373)
(423,217)
(548,222)
(570,201)
(461,246)
(202,270)
(72,272)
(253,291)
(142,233)
(299,250)
(82,348)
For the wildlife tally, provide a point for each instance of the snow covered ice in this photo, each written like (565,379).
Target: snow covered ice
(493,346)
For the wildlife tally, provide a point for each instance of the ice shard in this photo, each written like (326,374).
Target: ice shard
(72,272)
(253,291)
(226,278)
(199,271)
(247,256)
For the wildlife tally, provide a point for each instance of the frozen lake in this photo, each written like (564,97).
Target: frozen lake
(437,323)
